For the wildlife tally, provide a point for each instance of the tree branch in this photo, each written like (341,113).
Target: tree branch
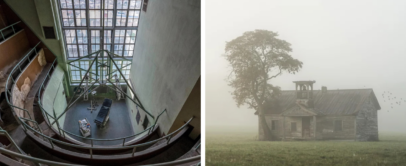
(280,72)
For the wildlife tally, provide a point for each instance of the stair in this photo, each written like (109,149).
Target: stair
(181,147)
(46,130)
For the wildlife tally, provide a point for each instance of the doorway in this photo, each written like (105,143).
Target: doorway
(306,127)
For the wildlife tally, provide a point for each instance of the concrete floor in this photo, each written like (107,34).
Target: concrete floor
(119,124)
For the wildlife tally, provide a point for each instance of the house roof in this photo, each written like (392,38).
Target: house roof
(332,102)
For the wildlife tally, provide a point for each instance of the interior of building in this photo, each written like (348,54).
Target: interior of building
(100,82)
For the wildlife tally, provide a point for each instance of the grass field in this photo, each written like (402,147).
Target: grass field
(225,147)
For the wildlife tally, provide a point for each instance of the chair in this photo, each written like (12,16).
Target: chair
(103,115)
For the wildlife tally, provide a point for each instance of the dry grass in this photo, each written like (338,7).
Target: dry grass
(241,148)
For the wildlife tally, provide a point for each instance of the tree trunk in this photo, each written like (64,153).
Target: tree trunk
(265,128)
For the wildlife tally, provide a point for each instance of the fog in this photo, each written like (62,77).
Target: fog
(342,44)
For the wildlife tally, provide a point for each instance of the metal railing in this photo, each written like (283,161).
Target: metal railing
(63,132)
(178,162)
(33,159)
(4,132)
(11,83)
(48,162)
(52,141)
(138,103)
(10,26)
(9,95)
(197,148)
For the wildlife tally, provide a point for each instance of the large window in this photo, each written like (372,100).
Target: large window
(82,22)
(125,67)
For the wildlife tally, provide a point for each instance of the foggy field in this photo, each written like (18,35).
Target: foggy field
(225,147)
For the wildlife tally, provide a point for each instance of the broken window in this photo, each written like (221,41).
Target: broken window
(338,125)
(274,124)
(293,126)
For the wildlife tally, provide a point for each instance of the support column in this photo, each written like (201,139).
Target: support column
(315,125)
(283,136)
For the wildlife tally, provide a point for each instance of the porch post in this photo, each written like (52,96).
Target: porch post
(315,125)
(283,138)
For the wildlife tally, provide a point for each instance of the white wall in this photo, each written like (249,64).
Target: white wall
(166,62)
(53,97)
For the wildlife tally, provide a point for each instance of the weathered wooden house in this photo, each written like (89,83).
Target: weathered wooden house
(307,114)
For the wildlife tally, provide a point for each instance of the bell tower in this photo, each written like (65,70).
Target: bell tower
(304,92)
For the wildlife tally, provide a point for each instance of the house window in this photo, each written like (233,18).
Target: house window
(338,125)
(293,126)
(274,124)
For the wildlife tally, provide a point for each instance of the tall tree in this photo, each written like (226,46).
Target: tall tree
(256,58)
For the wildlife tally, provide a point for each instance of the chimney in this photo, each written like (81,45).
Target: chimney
(323,90)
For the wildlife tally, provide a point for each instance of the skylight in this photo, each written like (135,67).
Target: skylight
(84,34)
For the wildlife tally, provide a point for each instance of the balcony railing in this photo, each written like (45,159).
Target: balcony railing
(4,35)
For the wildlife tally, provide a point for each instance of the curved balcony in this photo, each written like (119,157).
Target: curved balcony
(45,130)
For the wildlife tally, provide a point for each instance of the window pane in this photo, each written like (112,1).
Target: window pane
(121,17)
(122,4)
(82,36)
(83,50)
(68,19)
(95,40)
(119,36)
(135,4)
(127,64)
(130,36)
(108,18)
(118,49)
(128,51)
(94,17)
(70,36)
(80,17)
(72,51)
(107,36)
(95,36)
(79,4)
(76,63)
(127,74)
(109,4)
(107,47)
(133,18)
(66,4)
(95,48)
(94,4)
(84,64)
(83,73)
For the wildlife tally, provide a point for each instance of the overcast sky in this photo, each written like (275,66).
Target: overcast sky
(342,44)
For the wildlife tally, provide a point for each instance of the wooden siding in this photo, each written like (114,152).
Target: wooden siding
(324,127)
(367,122)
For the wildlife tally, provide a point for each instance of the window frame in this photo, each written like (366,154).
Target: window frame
(338,128)
(293,126)
(77,50)
(274,124)
(136,8)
